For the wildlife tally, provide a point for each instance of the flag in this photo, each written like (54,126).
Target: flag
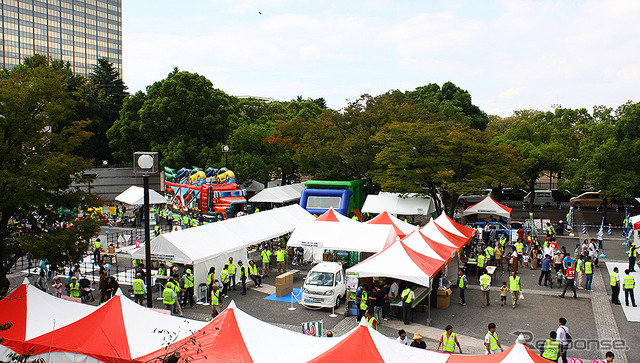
(313,328)
(601,231)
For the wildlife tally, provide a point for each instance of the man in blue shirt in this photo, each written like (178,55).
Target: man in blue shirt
(545,271)
(566,261)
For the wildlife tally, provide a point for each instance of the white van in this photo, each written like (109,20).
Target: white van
(325,286)
(542,197)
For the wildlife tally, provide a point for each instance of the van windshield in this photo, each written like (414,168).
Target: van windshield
(319,278)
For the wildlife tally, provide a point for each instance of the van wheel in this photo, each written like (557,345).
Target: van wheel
(577,204)
(219,216)
(338,301)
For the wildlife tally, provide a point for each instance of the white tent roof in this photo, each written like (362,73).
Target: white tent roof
(488,206)
(395,203)
(633,220)
(453,227)
(342,236)
(135,196)
(281,194)
(399,225)
(401,262)
(200,243)
(419,243)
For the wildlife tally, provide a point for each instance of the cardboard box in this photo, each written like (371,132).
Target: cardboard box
(284,284)
(443,299)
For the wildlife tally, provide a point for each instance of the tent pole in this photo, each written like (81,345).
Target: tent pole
(429,306)
(147,236)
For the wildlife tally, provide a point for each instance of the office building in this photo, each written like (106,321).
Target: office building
(76,31)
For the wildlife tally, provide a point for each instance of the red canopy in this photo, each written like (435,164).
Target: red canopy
(387,219)
(452,226)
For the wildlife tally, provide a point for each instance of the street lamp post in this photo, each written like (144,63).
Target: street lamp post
(146,163)
(225,151)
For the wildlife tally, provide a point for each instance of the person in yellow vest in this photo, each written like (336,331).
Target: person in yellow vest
(629,283)
(74,287)
(280,259)
(491,342)
(485,288)
(481,261)
(175,285)
(514,286)
(551,348)
(253,272)
(187,282)
(243,277)
(580,271)
(211,280)
(266,258)
(489,253)
(224,278)
(162,271)
(194,221)
(520,250)
(232,274)
(216,301)
(97,245)
(362,300)
(139,289)
(407,297)
(588,272)
(449,340)
(463,283)
(615,286)
(371,320)
(169,297)
(156,230)
(633,253)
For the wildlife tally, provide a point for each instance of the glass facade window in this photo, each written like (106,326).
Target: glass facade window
(76,31)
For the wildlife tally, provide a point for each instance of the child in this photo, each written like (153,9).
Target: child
(503,293)
(58,286)
(525,260)
(559,277)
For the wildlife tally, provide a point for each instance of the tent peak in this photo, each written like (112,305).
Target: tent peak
(232,305)
(119,292)
(25,281)
(521,339)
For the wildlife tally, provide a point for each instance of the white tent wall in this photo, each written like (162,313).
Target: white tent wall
(201,267)
(396,204)
(359,237)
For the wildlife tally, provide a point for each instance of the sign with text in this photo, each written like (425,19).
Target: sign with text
(311,244)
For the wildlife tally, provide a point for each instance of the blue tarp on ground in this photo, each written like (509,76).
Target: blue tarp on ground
(297,295)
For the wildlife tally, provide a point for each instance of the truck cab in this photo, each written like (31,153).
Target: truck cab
(325,286)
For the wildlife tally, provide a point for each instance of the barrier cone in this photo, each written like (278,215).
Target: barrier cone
(609,233)
(584,228)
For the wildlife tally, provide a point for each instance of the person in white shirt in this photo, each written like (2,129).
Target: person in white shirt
(561,338)
(402,337)
(393,290)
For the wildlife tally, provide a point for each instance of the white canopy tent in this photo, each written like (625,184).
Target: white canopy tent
(398,204)
(488,206)
(212,244)
(135,196)
(317,236)
(281,194)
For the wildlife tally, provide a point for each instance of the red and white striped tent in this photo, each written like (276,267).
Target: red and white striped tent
(402,228)
(488,206)
(517,353)
(453,227)
(440,235)
(422,244)
(366,345)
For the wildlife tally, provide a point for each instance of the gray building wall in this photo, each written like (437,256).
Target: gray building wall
(109,182)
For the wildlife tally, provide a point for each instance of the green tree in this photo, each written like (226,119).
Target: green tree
(544,142)
(183,117)
(609,153)
(37,168)
(451,102)
(428,156)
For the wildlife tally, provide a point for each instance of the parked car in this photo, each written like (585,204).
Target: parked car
(513,193)
(499,226)
(325,286)
(541,197)
(474,198)
(588,198)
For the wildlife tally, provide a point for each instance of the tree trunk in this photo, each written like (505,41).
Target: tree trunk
(532,195)
(605,202)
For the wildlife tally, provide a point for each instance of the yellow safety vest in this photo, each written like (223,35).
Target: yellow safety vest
(210,279)
(137,286)
(167,296)
(215,297)
(551,349)
(232,269)
(481,261)
(371,320)
(485,280)
(613,278)
(224,276)
(632,251)
(253,269)
(461,282)
(493,341)
(448,343)
(514,284)
(407,295)
(587,268)
(363,300)
(489,252)
(97,245)
(519,247)
(579,266)
(266,255)
(629,282)
(75,289)
(188,280)
(162,271)
(280,255)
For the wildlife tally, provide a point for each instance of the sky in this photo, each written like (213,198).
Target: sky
(509,54)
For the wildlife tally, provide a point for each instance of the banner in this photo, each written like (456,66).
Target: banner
(313,328)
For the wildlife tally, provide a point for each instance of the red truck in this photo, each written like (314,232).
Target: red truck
(219,200)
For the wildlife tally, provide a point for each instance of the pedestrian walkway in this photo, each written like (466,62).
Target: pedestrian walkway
(549,292)
(632,314)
